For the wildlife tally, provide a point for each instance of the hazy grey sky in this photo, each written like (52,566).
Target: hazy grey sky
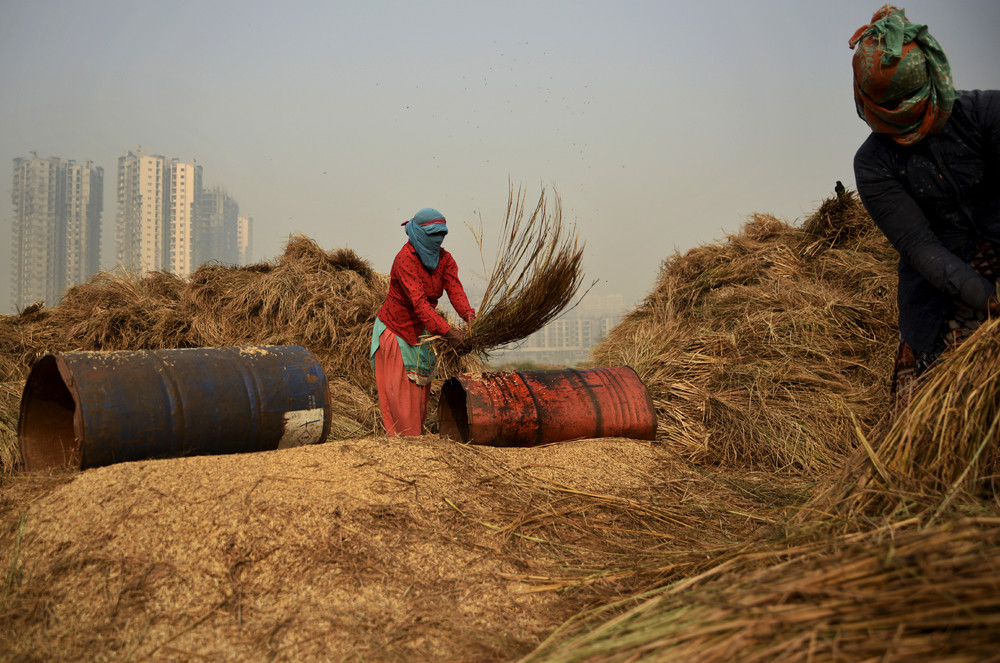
(663,125)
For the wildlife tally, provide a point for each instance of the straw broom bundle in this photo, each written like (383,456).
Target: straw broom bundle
(537,274)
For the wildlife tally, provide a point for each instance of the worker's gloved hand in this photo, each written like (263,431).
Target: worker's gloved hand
(993,305)
(456,339)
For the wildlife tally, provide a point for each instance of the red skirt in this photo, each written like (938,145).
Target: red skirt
(402,401)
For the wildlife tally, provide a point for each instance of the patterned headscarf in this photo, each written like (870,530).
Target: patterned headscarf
(426,231)
(902,81)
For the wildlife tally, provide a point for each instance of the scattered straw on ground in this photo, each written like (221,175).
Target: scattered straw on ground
(894,594)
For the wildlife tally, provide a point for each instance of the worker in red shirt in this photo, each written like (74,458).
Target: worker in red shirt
(421,272)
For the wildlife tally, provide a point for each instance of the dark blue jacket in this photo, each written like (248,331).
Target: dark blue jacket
(937,201)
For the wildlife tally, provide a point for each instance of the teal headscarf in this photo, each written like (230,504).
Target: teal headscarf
(426,231)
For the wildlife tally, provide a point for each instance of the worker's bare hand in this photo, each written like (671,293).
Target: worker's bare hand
(993,305)
(456,339)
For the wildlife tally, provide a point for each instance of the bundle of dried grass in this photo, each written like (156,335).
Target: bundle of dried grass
(536,276)
(892,594)
(762,350)
(947,438)
(943,449)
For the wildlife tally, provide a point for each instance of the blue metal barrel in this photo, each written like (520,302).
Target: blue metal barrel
(87,409)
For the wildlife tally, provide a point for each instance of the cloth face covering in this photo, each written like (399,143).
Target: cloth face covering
(426,231)
(902,80)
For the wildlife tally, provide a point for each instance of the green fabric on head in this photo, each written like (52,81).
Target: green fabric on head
(902,79)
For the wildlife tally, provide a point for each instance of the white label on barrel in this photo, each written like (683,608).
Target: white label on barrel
(301,427)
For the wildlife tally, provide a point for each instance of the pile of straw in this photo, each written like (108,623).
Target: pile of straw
(946,440)
(768,357)
(891,594)
(536,275)
(763,350)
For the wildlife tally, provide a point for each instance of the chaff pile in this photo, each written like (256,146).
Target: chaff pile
(761,351)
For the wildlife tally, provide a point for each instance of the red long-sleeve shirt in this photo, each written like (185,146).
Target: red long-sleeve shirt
(414,291)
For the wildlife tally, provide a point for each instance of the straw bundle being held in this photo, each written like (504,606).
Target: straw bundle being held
(946,440)
(944,448)
(537,274)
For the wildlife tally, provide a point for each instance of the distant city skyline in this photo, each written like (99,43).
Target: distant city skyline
(165,219)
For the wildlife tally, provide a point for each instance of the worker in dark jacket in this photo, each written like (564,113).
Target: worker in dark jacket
(929,176)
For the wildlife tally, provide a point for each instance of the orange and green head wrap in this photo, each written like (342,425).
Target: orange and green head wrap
(902,81)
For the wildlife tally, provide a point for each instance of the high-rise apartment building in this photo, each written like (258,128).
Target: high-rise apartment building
(56,230)
(217,232)
(244,240)
(185,190)
(142,224)
(168,221)
(84,196)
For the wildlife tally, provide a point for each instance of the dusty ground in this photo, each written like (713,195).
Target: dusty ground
(373,549)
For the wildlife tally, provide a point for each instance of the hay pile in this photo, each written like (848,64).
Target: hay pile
(891,557)
(761,351)
(894,558)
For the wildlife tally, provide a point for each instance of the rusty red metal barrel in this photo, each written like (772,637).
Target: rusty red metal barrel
(528,408)
(87,409)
